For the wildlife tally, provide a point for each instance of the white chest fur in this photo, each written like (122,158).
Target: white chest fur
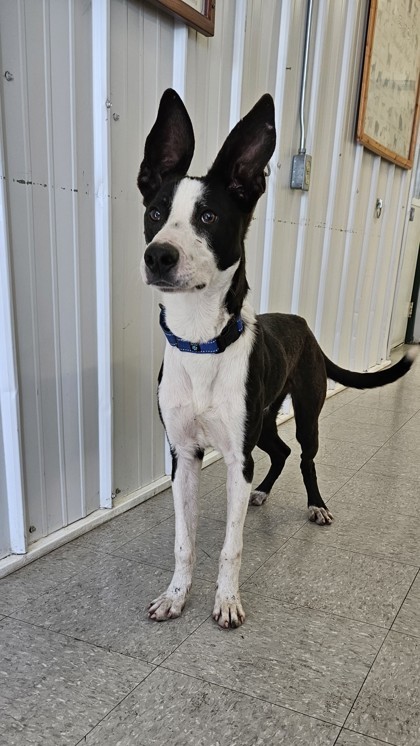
(203,398)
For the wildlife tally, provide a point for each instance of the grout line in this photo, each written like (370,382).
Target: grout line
(417,575)
(83,739)
(359,733)
(251,696)
(365,679)
(68,636)
(369,555)
(324,612)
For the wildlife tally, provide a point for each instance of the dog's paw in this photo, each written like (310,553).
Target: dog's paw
(257,497)
(166,606)
(322,516)
(228,611)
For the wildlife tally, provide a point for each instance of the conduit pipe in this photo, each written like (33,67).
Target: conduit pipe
(301,164)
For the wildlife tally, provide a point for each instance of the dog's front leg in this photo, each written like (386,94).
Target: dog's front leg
(228,611)
(185,484)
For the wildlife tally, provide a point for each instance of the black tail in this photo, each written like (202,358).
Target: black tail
(371,380)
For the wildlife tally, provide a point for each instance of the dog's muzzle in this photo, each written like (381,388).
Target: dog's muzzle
(160,259)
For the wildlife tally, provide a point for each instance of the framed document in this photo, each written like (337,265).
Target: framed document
(199,14)
(389,101)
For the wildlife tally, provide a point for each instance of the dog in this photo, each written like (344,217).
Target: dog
(226,371)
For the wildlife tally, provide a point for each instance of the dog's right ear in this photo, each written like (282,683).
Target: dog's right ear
(241,161)
(169,146)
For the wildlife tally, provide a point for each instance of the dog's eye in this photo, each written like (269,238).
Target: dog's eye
(208,217)
(154,214)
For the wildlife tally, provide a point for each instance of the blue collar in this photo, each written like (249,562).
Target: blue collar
(229,334)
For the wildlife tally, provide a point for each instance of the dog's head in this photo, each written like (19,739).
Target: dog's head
(195,227)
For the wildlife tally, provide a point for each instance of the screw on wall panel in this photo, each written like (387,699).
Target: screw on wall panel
(32,529)
(114,494)
(115,117)
(9,76)
(108,103)
(378,208)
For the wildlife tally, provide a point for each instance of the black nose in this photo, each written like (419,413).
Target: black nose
(160,258)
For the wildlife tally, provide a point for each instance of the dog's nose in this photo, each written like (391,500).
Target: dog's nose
(160,258)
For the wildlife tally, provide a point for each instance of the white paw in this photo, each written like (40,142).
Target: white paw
(168,605)
(320,515)
(257,497)
(228,611)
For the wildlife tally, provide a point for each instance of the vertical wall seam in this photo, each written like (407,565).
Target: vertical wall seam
(76,260)
(378,263)
(9,385)
(179,61)
(53,258)
(274,163)
(32,267)
(403,244)
(392,271)
(237,62)
(364,255)
(302,231)
(338,135)
(101,160)
(347,250)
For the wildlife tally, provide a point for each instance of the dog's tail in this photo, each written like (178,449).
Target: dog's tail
(371,380)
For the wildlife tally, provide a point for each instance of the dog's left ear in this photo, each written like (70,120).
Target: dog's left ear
(169,146)
(245,153)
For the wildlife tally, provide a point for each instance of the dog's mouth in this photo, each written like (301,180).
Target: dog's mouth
(169,287)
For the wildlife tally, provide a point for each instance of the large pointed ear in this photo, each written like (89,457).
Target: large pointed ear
(169,146)
(245,153)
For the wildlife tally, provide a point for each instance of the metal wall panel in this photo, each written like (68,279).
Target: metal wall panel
(332,260)
(4,518)
(142,51)
(48,160)
(322,254)
(141,68)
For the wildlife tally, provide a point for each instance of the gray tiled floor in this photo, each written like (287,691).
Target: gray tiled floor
(330,650)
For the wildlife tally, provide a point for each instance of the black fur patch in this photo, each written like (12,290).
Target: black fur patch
(248,469)
(174,461)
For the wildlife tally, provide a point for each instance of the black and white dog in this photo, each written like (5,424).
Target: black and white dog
(226,371)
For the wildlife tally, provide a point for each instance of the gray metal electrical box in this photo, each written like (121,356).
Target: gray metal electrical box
(301,171)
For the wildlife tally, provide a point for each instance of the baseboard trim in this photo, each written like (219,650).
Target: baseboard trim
(121,504)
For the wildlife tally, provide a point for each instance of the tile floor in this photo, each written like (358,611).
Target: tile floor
(329,653)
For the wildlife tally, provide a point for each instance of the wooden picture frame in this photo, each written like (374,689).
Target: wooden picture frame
(200,20)
(389,99)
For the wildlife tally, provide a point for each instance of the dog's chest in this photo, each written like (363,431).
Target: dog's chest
(203,397)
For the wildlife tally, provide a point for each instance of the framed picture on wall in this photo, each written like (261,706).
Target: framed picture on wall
(199,14)
(389,101)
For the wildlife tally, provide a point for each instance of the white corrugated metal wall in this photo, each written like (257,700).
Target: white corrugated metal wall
(322,254)
(47,143)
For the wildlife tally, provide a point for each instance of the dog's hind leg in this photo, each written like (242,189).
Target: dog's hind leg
(185,484)
(228,611)
(270,442)
(307,435)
